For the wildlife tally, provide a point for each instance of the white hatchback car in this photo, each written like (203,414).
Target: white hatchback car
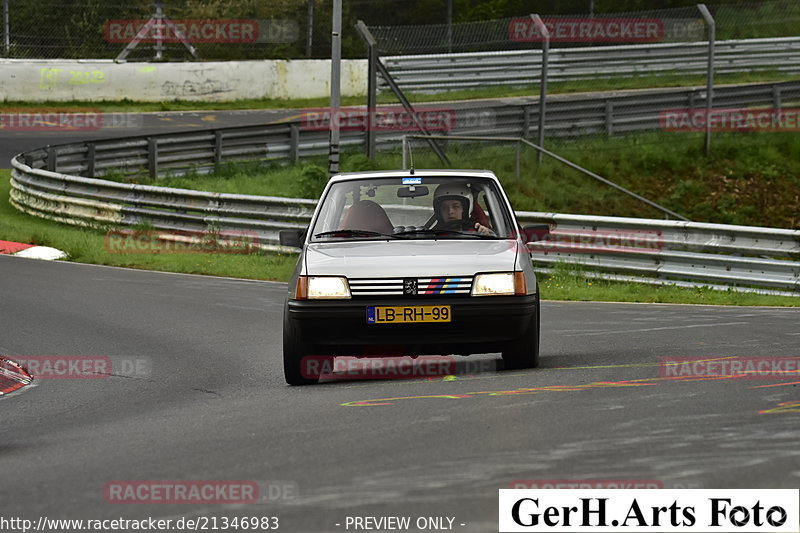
(425,262)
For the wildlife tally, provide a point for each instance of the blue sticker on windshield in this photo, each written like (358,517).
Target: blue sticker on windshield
(412,181)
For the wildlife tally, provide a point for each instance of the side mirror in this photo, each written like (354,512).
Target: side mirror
(291,237)
(535,232)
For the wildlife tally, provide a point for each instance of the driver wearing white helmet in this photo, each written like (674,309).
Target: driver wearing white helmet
(452,204)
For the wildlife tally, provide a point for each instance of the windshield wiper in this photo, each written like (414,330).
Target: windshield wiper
(352,232)
(435,231)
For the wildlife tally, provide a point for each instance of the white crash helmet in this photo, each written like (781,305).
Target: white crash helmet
(453,191)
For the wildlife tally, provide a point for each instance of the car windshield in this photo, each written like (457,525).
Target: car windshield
(413,207)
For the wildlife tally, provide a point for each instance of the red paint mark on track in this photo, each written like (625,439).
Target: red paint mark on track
(12,376)
(7,247)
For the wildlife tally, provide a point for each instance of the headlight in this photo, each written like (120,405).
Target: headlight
(322,287)
(499,284)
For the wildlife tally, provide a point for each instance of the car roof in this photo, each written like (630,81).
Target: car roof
(439,173)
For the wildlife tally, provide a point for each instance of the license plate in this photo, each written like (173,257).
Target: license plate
(408,314)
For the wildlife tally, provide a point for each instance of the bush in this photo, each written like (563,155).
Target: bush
(312,181)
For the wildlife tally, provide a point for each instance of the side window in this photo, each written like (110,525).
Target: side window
(482,213)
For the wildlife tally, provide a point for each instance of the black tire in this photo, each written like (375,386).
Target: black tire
(295,350)
(524,352)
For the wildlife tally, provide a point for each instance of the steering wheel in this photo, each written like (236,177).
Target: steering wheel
(457,225)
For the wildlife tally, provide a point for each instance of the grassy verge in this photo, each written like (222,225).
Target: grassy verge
(567,284)
(750,179)
(387,97)
(88,246)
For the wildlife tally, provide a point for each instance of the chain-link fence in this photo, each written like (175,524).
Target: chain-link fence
(653,86)
(244,29)
(616,52)
(96,29)
(772,18)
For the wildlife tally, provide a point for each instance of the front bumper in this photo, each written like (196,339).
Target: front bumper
(479,325)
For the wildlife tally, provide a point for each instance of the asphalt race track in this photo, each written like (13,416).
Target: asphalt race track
(209,403)
(134,124)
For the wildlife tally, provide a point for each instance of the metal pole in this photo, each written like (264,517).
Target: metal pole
(712,36)
(158,6)
(336,64)
(450,26)
(310,29)
(372,85)
(6,29)
(543,84)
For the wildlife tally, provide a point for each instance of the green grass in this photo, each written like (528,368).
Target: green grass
(387,97)
(750,179)
(88,246)
(568,284)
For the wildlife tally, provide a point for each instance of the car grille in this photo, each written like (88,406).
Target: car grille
(367,287)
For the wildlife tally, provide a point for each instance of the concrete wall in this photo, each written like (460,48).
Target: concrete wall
(98,80)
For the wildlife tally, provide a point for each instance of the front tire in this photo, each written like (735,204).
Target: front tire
(524,351)
(295,355)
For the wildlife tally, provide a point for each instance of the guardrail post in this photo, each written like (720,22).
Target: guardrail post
(336,78)
(609,118)
(692,98)
(294,142)
(52,159)
(526,121)
(710,74)
(776,98)
(217,150)
(90,159)
(152,157)
(543,82)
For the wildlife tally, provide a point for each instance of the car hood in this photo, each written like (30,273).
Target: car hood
(404,258)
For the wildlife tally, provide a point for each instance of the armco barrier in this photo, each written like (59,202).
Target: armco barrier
(444,72)
(567,116)
(687,253)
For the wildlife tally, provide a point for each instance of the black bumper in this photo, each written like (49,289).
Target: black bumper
(478,325)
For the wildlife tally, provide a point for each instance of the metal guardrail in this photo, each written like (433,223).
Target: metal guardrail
(746,258)
(567,116)
(440,72)
(84,201)
(691,254)
(50,183)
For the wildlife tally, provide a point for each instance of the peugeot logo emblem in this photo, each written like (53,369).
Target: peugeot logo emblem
(410,286)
